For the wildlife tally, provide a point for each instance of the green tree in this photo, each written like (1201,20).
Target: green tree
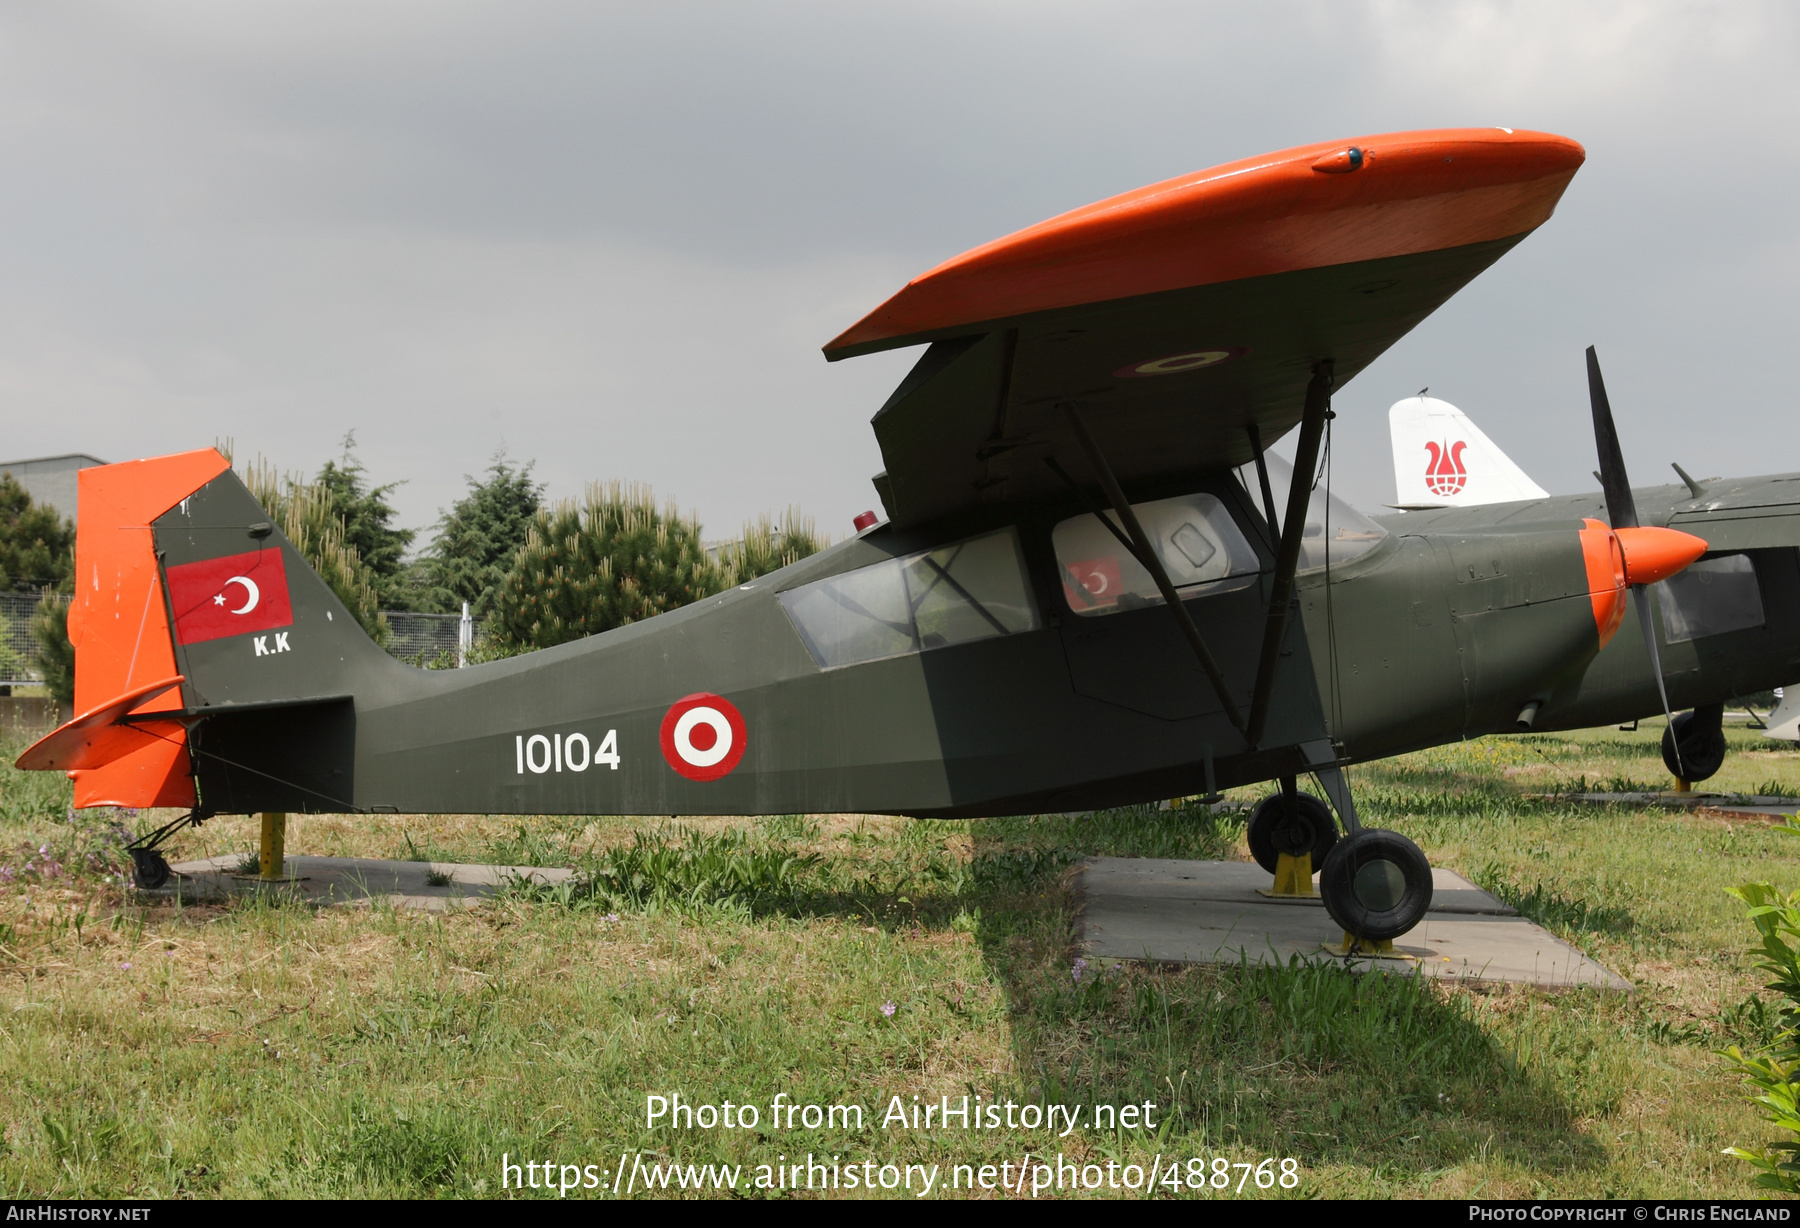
(55,655)
(37,546)
(307,514)
(608,560)
(478,539)
(769,545)
(368,524)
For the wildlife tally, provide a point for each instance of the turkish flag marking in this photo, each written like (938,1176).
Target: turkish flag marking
(229,596)
(1093,583)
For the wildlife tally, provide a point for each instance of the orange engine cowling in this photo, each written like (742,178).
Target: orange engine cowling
(1619,558)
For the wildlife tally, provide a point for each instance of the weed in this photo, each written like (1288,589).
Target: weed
(1774,1070)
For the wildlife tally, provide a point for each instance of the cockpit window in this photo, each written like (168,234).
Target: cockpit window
(970,590)
(1194,536)
(1330,522)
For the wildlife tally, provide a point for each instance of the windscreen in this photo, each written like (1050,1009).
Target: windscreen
(1330,522)
(956,594)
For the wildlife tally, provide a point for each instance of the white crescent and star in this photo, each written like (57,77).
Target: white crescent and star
(252,594)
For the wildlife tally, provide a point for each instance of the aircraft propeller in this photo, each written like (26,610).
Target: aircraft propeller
(1650,554)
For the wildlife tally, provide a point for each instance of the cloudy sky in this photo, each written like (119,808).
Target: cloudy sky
(613,238)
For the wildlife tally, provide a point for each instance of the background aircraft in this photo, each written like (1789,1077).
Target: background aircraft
(1072,604)
(1713,630)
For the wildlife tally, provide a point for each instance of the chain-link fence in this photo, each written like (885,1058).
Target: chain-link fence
(18,647)
(422,636)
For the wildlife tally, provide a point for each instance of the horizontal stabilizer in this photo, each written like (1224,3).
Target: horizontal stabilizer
(1441,459)
(96,738)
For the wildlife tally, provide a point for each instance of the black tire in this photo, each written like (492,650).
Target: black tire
(1376,884)
(150,869)
(1316,833)
(1702,739)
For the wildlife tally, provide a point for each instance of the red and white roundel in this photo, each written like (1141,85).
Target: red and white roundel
(1176,364)
(703,736)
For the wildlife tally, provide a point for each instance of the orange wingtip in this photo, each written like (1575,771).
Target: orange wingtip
(1653,554)
(95,738)
(1399,194)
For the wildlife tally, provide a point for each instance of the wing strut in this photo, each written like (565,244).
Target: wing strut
(1287,561)
(1273,531)
(1140,543)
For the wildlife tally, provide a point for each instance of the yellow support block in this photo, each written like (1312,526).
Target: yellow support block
(273,854)
(1293,878)
(1361,948)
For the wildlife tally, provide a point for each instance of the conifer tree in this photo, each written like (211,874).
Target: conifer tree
(368,524)
(769,545)
(478,539)
(607,560)
(37,546)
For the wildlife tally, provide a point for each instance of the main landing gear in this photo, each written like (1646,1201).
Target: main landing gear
(1701,736)
(1376,885)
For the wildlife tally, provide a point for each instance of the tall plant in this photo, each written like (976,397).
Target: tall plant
(307,513)
(1773,1072)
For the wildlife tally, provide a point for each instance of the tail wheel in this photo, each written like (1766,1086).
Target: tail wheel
(150,869)
(1376,884)
(1702,740)
(1312,830)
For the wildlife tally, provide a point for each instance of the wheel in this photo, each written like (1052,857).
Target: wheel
(1314,831)
(150,869)
(1376,884)
(1702,743)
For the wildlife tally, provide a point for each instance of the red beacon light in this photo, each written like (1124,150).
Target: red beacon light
(865,520)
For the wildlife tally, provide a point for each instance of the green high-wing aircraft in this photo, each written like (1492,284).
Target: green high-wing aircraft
(1073,602)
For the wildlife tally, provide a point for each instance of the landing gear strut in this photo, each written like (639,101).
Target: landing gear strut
(149,868)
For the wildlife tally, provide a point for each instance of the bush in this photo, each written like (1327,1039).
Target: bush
(609,560)
(1773,1071)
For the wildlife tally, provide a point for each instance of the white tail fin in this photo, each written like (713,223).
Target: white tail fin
(1441,459)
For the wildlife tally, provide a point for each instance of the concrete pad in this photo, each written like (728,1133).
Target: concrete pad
(1208,912)
(355,880)
(1675,801)
(1724,805)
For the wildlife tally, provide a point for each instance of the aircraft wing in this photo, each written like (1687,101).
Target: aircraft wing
(1177,315)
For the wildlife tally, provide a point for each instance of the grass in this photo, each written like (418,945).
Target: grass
(269,1049)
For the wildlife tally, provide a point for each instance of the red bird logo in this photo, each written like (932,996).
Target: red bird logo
(1444,472)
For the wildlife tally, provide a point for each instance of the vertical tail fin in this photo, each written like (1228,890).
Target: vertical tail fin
(189,602)
(1441,459)
(119,624)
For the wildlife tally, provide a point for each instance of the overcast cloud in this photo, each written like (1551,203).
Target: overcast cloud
(614,239)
